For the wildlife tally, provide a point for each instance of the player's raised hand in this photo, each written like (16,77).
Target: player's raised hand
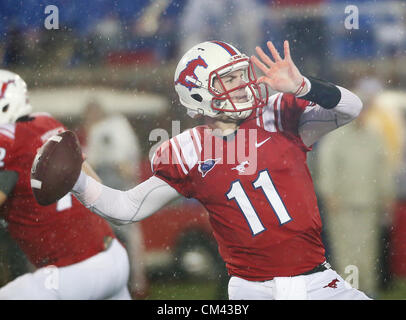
(280,74)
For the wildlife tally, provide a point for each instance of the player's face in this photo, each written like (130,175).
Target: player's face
(230,81)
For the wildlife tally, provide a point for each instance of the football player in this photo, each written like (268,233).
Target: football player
(75,252)
(262,207)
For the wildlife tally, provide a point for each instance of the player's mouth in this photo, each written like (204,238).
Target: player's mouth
(240,99)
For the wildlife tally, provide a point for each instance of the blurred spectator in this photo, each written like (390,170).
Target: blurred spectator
(161,27)
(380,33)
(234,21)
(112,149)
(304,24)
(154,30)
(394,103)
(386,117)
(106,36)
(14,48)
(356,183)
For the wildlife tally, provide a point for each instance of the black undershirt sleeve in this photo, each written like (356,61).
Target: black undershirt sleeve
(324,93)
(8,180)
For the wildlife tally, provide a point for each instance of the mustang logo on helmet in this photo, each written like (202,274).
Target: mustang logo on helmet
(188,74)
(4,88)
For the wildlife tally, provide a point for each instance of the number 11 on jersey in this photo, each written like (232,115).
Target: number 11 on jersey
(265,183)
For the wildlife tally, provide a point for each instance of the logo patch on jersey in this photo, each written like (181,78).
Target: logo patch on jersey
(188,77)
(4,87)
(257,145)
(241,167)
(332,284)
(207,165)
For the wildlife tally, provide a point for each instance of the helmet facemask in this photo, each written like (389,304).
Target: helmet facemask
(224,99)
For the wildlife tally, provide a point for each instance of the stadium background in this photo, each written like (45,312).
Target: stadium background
(123,54)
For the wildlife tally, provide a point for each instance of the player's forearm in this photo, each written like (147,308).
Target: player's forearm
(332,97)
(317,121)
(329,96)
(321,92)
(348,108)
(123,207)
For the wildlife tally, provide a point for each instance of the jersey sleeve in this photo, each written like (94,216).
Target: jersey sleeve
(291,109)
(173,161)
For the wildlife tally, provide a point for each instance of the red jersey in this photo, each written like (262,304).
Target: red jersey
(257,188)
(59,234)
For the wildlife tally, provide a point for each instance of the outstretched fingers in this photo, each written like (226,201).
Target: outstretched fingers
(286,50)
(264,57)
(274,52)
(259,64)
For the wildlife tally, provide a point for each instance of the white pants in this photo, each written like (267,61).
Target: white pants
(325,285)
(102,276)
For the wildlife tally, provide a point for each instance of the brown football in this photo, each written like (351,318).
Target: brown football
(56,168)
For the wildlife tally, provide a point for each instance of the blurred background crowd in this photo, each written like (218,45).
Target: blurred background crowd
(106,71)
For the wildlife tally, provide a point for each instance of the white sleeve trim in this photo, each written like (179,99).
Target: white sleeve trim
(175,148)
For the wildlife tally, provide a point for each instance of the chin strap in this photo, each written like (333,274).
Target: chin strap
(191,113)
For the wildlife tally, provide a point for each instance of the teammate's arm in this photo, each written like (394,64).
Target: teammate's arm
(8,180)
(123,207)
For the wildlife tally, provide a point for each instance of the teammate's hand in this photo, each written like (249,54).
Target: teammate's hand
(280,74)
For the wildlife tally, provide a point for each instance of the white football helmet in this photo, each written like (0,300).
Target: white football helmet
(194,81)
(13,97)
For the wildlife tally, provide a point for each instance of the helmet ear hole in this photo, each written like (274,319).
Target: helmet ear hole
(197,97)
(5,108)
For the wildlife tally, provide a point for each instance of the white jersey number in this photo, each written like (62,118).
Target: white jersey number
(264,182)
(2,156)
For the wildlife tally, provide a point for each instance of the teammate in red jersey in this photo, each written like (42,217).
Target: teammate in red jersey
(247,166)
(75,251)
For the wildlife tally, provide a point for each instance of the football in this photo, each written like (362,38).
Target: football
(56,168)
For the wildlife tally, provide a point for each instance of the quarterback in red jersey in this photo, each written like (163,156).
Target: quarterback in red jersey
(247,166)
(75,251)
